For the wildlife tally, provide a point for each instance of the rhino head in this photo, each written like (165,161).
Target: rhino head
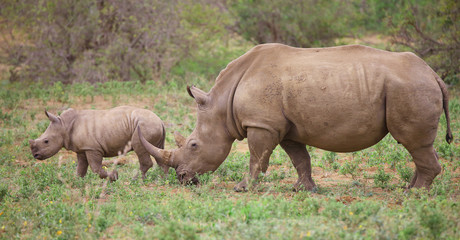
(205,149)
(51,141)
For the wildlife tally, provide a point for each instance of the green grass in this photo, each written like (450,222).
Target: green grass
(359,194)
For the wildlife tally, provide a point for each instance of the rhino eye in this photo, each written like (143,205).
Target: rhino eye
(193,144)
(46,141)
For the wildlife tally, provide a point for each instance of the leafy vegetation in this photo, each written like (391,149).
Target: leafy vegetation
(430,29)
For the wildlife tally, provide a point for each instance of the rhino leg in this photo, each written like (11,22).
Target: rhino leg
(301,160)
(82,164)
(95,162)
(427,167)
(145,162)
(414,179)
(261,144)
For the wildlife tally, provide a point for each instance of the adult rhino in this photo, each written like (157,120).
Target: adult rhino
(339,99)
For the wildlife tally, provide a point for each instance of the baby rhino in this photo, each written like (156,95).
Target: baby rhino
(94,134)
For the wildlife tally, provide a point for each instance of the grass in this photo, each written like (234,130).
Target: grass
(359,194)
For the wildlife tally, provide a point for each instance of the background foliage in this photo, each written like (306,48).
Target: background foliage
(98,41)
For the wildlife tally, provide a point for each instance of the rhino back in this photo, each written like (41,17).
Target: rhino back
(331,98)
(109,131)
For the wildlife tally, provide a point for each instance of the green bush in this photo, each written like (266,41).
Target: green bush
(381,179)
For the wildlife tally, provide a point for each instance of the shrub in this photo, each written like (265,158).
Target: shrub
(430,29)
(381,179)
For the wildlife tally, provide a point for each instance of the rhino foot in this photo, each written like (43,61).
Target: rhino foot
(241,186)
(308,186)
(113,176)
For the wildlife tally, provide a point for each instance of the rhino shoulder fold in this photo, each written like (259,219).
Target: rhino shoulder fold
(68,117)
(69,113)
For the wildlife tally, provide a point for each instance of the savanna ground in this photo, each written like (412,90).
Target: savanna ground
(360,195)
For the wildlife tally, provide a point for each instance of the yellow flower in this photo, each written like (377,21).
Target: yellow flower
(345,227)
(3,227)
(25,223)
(308,234)
(60,220)
(59,232)
(51,202)
(351,213)
(360,226)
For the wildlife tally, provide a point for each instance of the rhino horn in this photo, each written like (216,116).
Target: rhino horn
(180,140)
(51,117)
(162,156)
(200,96)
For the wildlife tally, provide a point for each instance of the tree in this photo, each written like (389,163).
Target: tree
(301,23)
(432,30)
(96,41)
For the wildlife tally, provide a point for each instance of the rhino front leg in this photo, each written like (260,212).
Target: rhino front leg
(95,162)
(301,160)
(261,144)
(82,164)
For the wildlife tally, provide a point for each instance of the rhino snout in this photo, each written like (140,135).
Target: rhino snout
(38,156)
(187,178)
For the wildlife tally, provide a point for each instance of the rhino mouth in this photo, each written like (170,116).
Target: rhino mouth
(186,178)
(39,156)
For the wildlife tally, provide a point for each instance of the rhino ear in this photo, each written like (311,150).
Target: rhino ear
(52,117)
(200,96)
(180,140)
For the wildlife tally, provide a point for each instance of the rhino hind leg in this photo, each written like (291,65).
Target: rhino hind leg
(301,160)
(261,144)
(145,162)
(417,136)
(412,118)
(427,167)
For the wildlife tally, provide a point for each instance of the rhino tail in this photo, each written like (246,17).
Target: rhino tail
(445,105)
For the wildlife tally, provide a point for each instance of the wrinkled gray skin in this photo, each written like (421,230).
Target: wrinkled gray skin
(339,99)
(94,134)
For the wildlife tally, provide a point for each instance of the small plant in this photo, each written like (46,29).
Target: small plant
(381,179)
(205,178)
(431,218)
(3,192)
(330,157)
(349,168)
(405,173)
